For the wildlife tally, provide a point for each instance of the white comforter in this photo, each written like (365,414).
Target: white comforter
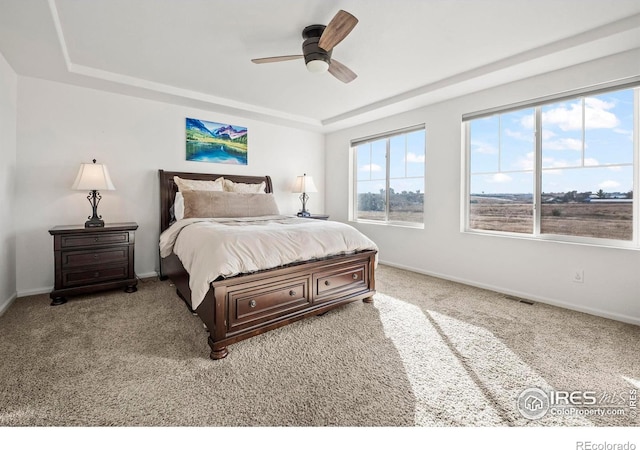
(209,248)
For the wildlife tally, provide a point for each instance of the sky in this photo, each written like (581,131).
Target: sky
(407,167)
(587,145)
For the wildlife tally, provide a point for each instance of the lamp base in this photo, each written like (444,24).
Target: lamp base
(95,220)
(94,223)
(303,214)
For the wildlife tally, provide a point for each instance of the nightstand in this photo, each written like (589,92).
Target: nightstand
(88,260)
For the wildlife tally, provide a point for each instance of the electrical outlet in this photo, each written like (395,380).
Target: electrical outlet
(578,276)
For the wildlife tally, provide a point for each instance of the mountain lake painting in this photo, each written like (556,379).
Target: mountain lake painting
(216,142)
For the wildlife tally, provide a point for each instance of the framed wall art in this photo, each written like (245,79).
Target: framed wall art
(215,142)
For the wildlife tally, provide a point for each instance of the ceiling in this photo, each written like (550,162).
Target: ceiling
(407,53)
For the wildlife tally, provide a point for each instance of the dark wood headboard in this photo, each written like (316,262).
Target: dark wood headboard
(168,188)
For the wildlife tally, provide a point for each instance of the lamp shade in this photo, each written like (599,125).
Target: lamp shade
(92,176)
(304,184)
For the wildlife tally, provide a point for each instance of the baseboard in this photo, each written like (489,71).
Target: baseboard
(148,275)
(5,304)
(46,290)
(36,291)
(524,295)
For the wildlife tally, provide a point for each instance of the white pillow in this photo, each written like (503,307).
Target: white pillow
(244,188)
(185,184)
(178,206)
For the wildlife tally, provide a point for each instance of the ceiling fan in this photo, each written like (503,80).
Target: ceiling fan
(318,44)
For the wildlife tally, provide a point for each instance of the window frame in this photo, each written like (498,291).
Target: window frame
(538,104)
(387,136)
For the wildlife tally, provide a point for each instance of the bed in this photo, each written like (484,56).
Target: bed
(237,306)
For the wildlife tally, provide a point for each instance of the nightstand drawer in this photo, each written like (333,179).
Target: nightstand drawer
(93,275)
(86,240)
(102,256)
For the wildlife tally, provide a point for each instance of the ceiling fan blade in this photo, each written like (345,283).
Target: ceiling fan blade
(341,72)
(339,27)
(276,59)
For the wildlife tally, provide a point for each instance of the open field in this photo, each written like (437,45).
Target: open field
(600,220)
(399,216)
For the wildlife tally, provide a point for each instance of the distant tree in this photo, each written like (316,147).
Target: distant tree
(583,196)
(569,196)
(630,194)
(601,194)
(370,202)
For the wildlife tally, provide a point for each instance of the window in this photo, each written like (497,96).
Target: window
(389,178)
(562,168)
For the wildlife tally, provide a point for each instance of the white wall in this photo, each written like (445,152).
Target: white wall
(532,269)
(8,97)
(59,126)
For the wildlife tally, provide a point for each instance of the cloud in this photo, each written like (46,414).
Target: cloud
(499,178)
(370,167)
(484,148)
(413,158)
(596,115)
(527,122)
(556,164)
(609,184)
(563,144)
(528,137)
(589,162)
(526,162)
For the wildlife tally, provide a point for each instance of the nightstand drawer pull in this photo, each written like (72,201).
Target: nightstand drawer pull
(252,304)
(354,276)
(95,256)
(96,274)
(326,283)
(292,293)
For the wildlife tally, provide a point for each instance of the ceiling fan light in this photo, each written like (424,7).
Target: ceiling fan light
(317,66)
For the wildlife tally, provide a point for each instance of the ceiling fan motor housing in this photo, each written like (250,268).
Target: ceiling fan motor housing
(310,48)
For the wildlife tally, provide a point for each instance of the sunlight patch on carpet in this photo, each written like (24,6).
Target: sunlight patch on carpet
(461,374)
(632,381)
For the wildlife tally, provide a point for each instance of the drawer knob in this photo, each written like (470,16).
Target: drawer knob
(96,274)
(95,256)
(292,293)
(252,304)
(326,283)
(354,276)
(97,239)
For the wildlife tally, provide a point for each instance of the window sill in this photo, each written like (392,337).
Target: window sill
(560,239)
(414,225)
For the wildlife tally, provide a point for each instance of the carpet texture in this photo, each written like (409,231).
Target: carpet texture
(428,352)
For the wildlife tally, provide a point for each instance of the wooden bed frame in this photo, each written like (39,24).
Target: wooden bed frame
(243,306)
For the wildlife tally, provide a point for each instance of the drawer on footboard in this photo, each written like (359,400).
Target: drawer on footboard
(341,281)
(248,307)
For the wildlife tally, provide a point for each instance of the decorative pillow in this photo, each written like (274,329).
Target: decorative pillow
(199,185)
(228,204)
(258,188)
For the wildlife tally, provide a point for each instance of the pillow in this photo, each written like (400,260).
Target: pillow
(178,206)
(199,185)
(258,188)
(228,204)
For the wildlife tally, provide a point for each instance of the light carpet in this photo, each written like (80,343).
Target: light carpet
(428,352)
